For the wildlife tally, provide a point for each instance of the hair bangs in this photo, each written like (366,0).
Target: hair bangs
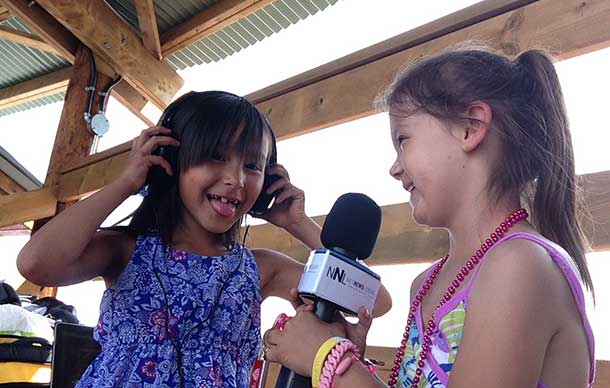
(209,129)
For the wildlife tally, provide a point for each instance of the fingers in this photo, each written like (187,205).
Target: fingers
(283,182)
(294,298)
(272,354)
(289,192)
(278,169)
(156,141)
(148,133)
(278,184)
(305,307)
(161,161)
(365,319)
(270,337)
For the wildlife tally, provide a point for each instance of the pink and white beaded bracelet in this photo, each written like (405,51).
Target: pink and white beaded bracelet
(332,362)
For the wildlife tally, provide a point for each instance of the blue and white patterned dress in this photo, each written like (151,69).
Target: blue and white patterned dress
(213,320)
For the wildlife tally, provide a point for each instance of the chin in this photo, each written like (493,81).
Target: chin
(219,228)
(419,216)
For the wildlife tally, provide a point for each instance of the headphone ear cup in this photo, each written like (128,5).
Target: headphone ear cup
(263,202)
(157,176)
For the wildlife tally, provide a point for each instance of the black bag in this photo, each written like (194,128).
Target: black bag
(24,349)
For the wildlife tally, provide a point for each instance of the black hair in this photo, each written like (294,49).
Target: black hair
(207,124)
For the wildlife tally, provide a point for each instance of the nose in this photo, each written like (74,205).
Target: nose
(396,169)
(233,174)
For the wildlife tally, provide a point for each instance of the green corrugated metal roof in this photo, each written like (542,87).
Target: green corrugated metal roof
(19,63)
(231,39)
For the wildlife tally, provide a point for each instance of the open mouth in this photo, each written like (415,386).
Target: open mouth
(410,187)
(234,202)
(226,207)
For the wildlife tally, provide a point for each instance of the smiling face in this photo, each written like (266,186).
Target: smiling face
(429,163)
(217,193)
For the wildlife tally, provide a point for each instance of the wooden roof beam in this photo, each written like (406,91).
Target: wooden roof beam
(35,88)
(51,31)
(96,25)
(4,14)
(25,39)
(207,22)
(27,206)
(8,185)
(400,239)
(321,103)
(148,26)
(566,28)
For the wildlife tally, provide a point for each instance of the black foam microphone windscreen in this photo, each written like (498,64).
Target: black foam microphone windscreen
(352,225)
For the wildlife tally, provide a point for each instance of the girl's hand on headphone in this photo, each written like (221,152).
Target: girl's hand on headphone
(288,210)
(141,159)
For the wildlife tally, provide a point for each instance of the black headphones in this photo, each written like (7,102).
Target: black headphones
(170,153)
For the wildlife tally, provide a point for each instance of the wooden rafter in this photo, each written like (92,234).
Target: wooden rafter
(323,103)
(565,28)
(73,139)
(435,29)
(97,26)
(4,14)
(8,185)
(208,22)
(400,239)
(148,26)
(26,206)
(35,88)
(574,32)
(46,27)
(25,39)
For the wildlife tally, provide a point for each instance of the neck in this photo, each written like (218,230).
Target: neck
(191,237)
(474,224)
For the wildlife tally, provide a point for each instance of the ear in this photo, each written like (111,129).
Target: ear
(474,130)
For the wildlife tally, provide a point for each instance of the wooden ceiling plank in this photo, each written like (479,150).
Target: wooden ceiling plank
(96,25)
(51,31)
(28,205)
(148,26)
(35,88)
(25,39)
(207,22)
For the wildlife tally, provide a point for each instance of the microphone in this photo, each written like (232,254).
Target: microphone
(333,279)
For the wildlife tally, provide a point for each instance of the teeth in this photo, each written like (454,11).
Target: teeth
(223,199)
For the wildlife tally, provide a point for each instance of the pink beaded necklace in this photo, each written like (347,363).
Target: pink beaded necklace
(517,216)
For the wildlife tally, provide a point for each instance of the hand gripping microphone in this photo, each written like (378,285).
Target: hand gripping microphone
(333,279)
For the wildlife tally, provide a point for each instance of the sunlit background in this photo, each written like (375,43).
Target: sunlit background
(350,157)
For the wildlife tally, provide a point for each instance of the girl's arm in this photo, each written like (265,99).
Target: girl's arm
(512,316)
(296,345)
(68,249)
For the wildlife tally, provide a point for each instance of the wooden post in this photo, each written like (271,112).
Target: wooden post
(74,138)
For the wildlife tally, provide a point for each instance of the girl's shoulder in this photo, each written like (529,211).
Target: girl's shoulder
(526,252)
(526,269)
